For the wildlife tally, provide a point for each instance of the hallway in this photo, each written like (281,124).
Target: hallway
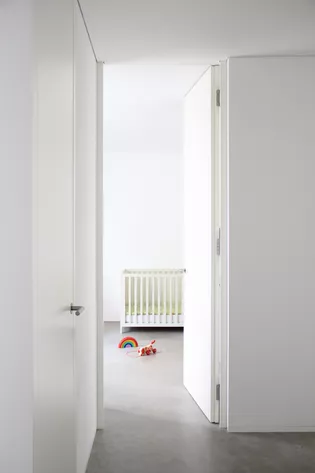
(152,424)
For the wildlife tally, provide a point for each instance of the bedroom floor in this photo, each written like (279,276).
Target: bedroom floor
(152,424)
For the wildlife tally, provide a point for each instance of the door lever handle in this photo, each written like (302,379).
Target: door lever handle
(77,309)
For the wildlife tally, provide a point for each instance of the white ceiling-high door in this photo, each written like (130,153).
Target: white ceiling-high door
(54,400)
(85,242)
(198,244)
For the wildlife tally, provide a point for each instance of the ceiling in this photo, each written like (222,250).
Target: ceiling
(198,31)
(143,106)
(147,84)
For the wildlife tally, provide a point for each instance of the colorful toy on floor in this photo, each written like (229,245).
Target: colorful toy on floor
(147,349)
(128,342)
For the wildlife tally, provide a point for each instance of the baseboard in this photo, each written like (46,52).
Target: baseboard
(270,423)
(269,429)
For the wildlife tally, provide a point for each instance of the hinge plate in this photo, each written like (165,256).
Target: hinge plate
(219,243)
(218,97)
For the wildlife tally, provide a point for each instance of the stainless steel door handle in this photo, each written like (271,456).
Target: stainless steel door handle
(77,309)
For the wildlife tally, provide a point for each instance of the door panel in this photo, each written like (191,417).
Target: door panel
(54,406)
(85,241)
(198,244)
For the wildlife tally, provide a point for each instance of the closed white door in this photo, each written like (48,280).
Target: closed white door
(53,180)
(198,331)
(85,242)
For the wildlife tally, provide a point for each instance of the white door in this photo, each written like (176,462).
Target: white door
(54,401)
(198,332)
(64,240)
(85,242)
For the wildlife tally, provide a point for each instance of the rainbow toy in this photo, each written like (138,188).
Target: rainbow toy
(128,342)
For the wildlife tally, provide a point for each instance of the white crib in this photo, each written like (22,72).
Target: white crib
(153,297)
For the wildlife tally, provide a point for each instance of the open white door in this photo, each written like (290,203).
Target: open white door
(85,241)
(199,332)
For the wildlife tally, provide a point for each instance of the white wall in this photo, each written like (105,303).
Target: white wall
(272,252)
(143,191)
(16,369)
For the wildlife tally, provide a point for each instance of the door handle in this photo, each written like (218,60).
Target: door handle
(77,309)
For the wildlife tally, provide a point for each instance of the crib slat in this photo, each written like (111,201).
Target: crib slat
(147,298)
(141,298)
(129,297)
(135,319)
(153,301)
(165,298)
(159,299)
(124,308)
(176,298)
(181,316)
(171,301)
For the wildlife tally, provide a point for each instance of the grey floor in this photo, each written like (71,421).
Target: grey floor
(154,426)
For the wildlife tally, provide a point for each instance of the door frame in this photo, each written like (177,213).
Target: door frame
(99,250)
(220,324)
(224,195)
(220,267)
(215,237)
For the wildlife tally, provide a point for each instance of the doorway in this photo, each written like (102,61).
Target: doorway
(145,226)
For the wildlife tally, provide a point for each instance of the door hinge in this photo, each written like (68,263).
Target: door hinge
(217,392)
(218,97)
(219,243)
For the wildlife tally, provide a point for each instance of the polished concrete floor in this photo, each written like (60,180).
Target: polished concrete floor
(154,426)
